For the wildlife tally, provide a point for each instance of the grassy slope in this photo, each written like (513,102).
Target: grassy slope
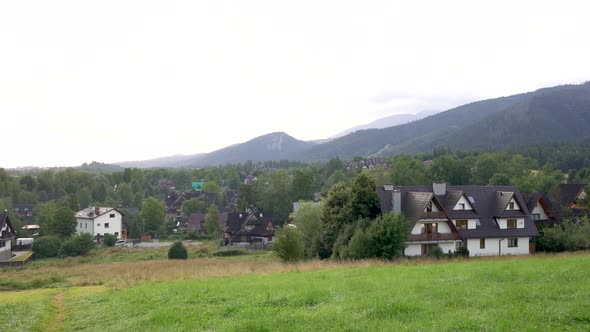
(518,294)
(537,293)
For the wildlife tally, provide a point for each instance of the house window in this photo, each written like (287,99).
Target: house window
(243,238)
(430,228)
(461,206)
(80,225)
(536,216)
(511,223)
(106,225)
(2,244)
(511,206)
(482,243)
(429,207)
(461,224)
(117,234)
(112,215)
(512,242)
(98,224)
(86,225)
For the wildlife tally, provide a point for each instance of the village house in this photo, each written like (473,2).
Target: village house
(196,222)
(24,211)
(249,228)
(6,235)
(99,221)
(567,200)
(174,201)
(540,208)
(488,220)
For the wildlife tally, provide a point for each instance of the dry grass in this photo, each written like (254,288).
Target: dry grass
(128,274)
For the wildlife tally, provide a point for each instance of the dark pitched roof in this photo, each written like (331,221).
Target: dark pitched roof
(485,202)
(5,221)
(196,222)
(249,225)
(566,194)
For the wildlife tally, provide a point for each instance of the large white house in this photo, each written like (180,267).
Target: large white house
(488,220)
(6,236)
(99,221)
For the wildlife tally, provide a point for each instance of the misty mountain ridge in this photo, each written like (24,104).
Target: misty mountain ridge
(550,115)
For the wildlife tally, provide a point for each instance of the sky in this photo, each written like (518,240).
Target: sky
(111,81)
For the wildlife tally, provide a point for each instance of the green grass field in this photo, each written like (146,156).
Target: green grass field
(498,294)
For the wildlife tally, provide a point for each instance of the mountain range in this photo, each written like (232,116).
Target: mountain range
(551,115)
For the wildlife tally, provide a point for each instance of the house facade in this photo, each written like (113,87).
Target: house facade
(6,235)
(248,228)
(487,220)
(99,221)
(567,200)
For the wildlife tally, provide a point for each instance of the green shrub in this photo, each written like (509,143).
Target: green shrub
(177,251)
(78,245)
(436,252)
(231,252)
(46,246)
(288,244)
(109,240)
(462,251)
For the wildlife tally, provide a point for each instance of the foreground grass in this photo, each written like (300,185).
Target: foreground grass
(536,293)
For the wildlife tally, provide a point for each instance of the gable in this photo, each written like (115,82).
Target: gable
(513,205)
(463,204)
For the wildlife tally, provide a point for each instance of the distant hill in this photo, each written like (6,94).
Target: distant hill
(171,161)
(552,115)
(388,121)
(274,146)
(558,114)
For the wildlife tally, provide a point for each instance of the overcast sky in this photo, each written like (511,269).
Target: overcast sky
(127,80)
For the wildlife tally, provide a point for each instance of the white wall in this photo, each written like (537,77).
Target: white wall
(115,224)
(491,248)
(413,250)
(503,222)
(85,226)
(539,210)
(6,251)
(516,206)
(416,249)
(463,200)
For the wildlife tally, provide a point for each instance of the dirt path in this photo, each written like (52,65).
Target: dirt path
(57,323)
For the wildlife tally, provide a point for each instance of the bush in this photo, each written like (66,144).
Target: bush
(462,251)
(288,244)
(177,251)
(109,240)
(228,253)
(78,245)
(46,246)
(436,252)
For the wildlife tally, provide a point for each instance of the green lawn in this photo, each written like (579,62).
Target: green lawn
(530,294)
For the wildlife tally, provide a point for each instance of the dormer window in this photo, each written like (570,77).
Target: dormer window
(249,227)
(429,207)
(511,206)
(461,206)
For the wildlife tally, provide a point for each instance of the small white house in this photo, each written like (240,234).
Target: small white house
(6,236)
(99,221)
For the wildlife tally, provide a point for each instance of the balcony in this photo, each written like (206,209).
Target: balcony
(433,237)
(433,216)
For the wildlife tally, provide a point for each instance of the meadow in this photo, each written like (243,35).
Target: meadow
(542,292)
